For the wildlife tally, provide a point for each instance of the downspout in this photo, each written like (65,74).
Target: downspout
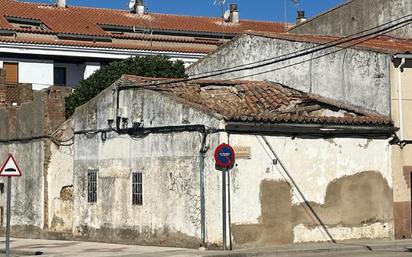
(202,153)
(400,105)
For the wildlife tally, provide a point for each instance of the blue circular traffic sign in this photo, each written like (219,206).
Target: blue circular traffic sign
(224,156)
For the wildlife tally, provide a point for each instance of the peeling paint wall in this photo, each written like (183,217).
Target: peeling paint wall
(170,214)
(353,76)
(27,190)
(37,114)
(346,181)
(60,177)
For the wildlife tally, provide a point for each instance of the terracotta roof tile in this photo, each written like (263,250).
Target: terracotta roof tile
(126,45)
(88,21)
(223,98)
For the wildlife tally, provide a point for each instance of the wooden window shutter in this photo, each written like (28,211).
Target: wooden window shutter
(12,72)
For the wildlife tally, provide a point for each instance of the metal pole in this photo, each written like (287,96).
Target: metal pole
(8,215)
(202,190)
(224,207)
(228,203)
(228,210)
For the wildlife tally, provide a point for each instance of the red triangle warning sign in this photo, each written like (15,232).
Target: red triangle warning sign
(10,168)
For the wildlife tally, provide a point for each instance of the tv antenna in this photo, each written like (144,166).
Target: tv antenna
(222,3)
(295,3)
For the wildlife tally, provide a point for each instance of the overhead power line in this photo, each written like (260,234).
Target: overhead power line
(313,58)
(334,42)
(299,53)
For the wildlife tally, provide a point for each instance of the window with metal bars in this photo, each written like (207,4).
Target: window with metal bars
(137,188)
(92,186)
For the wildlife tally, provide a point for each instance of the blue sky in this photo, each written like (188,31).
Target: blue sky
(272,10)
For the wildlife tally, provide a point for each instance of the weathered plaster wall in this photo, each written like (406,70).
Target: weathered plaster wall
(37,114)
(27,202)
(347,182)
(357,77)
(170,214)
(359,15)
(27,190)
(60,178)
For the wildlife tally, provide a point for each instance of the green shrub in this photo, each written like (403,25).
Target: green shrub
(148,66)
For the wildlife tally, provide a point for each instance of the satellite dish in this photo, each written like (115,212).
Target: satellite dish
(295,2)
(132,4)
(226,15)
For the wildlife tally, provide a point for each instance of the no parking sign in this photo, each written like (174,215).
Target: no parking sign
(224,156)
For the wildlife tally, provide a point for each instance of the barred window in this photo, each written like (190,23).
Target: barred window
(137,188)
(92,186)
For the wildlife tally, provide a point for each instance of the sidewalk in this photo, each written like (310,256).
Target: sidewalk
(26,247)
(313,248)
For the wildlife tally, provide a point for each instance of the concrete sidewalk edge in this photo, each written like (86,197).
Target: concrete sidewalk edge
(339,247)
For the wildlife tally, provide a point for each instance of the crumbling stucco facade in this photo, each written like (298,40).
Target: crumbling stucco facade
(342,179)
(346,181)
(28,123)
(169,163)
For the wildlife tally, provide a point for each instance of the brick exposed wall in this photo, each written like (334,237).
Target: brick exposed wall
(30,113)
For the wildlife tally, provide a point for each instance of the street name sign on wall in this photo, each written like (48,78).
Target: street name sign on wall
(9,169)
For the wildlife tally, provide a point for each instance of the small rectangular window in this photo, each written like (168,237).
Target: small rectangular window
(92,186)
(60,76)
(12,72)
(137,188)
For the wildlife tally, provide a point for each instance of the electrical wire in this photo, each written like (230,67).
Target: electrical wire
(367,36)
(305,49)
(297,54)
(311,59)
(27,139)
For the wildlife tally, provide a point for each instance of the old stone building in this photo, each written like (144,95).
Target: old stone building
(144,172)
(368,73)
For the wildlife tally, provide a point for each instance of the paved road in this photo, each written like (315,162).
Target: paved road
(23,247)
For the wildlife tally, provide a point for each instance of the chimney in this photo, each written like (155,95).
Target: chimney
(140,8)
(136,6)
(301,17)
(234,14)
(61,3)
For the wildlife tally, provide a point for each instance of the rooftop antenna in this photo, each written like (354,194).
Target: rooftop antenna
(222,3)
(295,3)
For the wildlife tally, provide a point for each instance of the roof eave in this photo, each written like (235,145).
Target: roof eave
(303,130)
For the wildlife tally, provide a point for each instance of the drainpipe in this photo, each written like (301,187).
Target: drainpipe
(400,105)
(202,153)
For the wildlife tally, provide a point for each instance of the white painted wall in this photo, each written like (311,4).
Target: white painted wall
(39,73)
(90,68)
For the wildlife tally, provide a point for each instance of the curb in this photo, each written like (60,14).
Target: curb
(23,252)
(333,248)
